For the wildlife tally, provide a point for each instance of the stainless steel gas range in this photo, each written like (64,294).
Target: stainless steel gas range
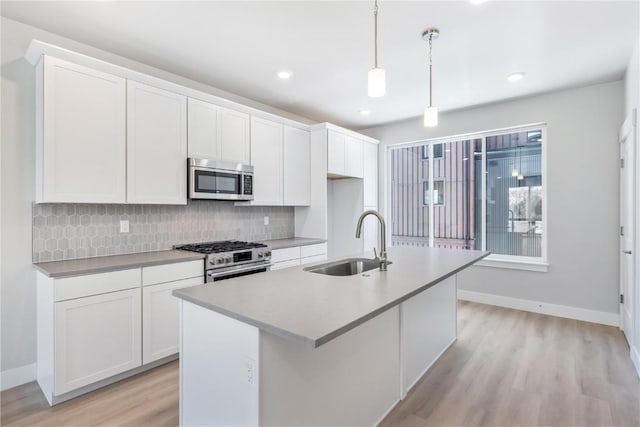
(231,258)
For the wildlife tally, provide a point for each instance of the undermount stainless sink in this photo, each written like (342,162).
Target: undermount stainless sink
(345,267)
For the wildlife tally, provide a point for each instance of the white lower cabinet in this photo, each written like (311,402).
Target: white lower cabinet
(94,329)
(298,255)
(96,337)
(161,319)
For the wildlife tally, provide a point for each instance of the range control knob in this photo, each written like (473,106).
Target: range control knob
(267,254)
(219,260)
(212,260)
(228,259)
(260,254)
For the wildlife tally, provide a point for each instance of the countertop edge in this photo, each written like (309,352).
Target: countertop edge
(315,343)
(306,341)
(117,267)
(307,241)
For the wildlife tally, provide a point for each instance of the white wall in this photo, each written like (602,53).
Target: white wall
(632,82)
(18,301)
(631,101)
(582,183)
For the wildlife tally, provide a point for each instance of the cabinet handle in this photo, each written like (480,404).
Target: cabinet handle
(627,252)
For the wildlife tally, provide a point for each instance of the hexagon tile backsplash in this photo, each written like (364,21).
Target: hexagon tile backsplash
(71,231)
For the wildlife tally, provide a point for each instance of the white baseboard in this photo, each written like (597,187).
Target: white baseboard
(17,376)
(635,358)
(593,316)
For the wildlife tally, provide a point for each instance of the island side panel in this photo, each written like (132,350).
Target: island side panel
(219,369)
(351,380)
(428,328)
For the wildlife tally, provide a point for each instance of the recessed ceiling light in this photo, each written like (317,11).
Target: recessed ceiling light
(477,1)
(365,112)
(514,77)
(284,75)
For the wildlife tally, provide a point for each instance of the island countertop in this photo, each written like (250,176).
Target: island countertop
(312,308)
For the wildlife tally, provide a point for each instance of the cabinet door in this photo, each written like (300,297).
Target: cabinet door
(82,156)
(335,153)
(297,167)
(202,122)
(370,173)
(95,338)
(266,152)
(353,157)
(156,145)
(233,136)
(161,319)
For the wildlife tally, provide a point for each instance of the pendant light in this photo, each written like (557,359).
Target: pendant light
(431,112)
(515,172)
(376,86)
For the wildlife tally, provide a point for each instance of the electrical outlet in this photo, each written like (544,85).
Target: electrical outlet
(266,220)
(250,365)
(124,226)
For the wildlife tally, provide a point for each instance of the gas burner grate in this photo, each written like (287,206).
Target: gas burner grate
(221,246)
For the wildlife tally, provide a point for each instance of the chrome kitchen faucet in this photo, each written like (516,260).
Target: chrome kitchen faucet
(383,237)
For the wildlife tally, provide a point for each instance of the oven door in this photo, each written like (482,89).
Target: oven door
(217,184)
(231,272)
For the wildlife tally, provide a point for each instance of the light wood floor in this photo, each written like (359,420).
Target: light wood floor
(508,368)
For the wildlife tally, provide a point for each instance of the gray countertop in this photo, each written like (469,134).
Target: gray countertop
(312,308)
(292,242)
(104,264)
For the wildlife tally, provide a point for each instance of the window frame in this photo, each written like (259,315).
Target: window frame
(539,264)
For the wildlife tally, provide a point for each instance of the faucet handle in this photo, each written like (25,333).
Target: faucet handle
(375,254)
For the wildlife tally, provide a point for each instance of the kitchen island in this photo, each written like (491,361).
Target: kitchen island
(293,347)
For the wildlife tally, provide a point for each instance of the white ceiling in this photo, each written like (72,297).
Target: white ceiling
(238,46)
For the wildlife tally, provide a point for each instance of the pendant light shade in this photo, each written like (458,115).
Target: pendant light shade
(377,86)
(431,117)
(431,112)
(377,79)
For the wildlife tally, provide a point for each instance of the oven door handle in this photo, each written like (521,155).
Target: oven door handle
(214,274)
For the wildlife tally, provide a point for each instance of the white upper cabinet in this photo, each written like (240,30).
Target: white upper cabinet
(370,173)
(156,145)
(203,130)
(335,153)
(233,136)
(344,155)
(297,166)
(218,133)
(266,152)
(80,134)
(353,157)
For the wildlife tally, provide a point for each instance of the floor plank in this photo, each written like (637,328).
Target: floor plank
(508,368)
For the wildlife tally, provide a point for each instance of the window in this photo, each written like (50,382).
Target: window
(487,194)
(438,192)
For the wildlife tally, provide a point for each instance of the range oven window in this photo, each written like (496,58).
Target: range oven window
(217,182)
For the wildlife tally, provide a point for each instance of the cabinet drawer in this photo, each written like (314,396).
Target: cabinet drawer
(171,272)
(313,250)
(285,264)
(286,254)
(313,259)
(94,284)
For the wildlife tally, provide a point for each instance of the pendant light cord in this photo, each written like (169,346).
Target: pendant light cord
(375,34)
(430,71)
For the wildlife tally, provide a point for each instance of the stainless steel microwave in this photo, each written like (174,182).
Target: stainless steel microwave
(219,180)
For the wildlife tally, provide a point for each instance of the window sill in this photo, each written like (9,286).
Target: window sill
(539,266)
